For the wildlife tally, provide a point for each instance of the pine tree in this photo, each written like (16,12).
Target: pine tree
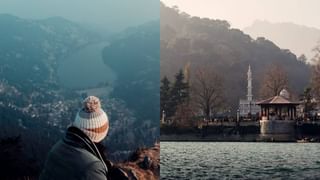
(180,90)
(165,96)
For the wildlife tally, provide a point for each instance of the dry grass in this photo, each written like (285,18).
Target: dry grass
(134,166)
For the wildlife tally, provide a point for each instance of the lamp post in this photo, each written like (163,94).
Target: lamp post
(238,116)
(163,117)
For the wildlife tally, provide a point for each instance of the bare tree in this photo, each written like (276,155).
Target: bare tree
(275,79)
(207,91)
(315,81)
(302,58)
(316,58)
(315,78)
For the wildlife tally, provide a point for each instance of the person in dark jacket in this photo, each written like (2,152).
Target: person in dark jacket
(76,156)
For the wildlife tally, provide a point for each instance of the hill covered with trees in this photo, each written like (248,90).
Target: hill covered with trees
(36,108)
(202,43)
(135,59)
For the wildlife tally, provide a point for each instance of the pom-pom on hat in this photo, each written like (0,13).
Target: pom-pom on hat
(92,120)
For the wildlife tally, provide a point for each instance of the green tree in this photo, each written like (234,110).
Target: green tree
(165,96)
(180,90)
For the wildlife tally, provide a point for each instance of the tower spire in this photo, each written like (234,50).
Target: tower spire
(249,95)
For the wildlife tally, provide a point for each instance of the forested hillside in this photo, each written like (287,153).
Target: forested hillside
(36,108)
(210,43)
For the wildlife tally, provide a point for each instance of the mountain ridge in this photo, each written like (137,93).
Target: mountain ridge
(210,43)
(300,39)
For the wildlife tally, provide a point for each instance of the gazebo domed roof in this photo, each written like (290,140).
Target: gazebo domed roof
(284,93)
(282,99)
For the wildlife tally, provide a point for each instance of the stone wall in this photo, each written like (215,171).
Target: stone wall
(277,127)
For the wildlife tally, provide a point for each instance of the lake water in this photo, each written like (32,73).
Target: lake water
(85,68)
(229,160)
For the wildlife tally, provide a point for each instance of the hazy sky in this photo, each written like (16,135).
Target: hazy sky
(242,13)
(112,14)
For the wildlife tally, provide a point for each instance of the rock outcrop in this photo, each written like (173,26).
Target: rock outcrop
(143,164)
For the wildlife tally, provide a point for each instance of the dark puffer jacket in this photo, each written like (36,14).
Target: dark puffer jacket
(74,158)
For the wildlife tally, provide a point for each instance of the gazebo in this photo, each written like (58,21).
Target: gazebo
(278,115)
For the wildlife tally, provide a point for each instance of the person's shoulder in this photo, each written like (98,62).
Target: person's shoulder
(86,157)
(95,170)
(73,154)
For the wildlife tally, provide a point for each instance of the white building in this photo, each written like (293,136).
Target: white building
(248,106)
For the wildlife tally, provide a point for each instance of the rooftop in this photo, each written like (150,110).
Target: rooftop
(277,100)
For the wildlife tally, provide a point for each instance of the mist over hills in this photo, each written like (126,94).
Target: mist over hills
(108,15)
(31,50)
(37,106)
(209,43)
(298,38)
(138,68)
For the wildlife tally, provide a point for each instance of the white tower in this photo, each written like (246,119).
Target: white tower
(249,95)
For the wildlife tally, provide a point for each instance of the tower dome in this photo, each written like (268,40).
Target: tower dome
(284,93)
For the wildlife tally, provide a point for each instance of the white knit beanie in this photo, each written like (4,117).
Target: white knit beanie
(92,120)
